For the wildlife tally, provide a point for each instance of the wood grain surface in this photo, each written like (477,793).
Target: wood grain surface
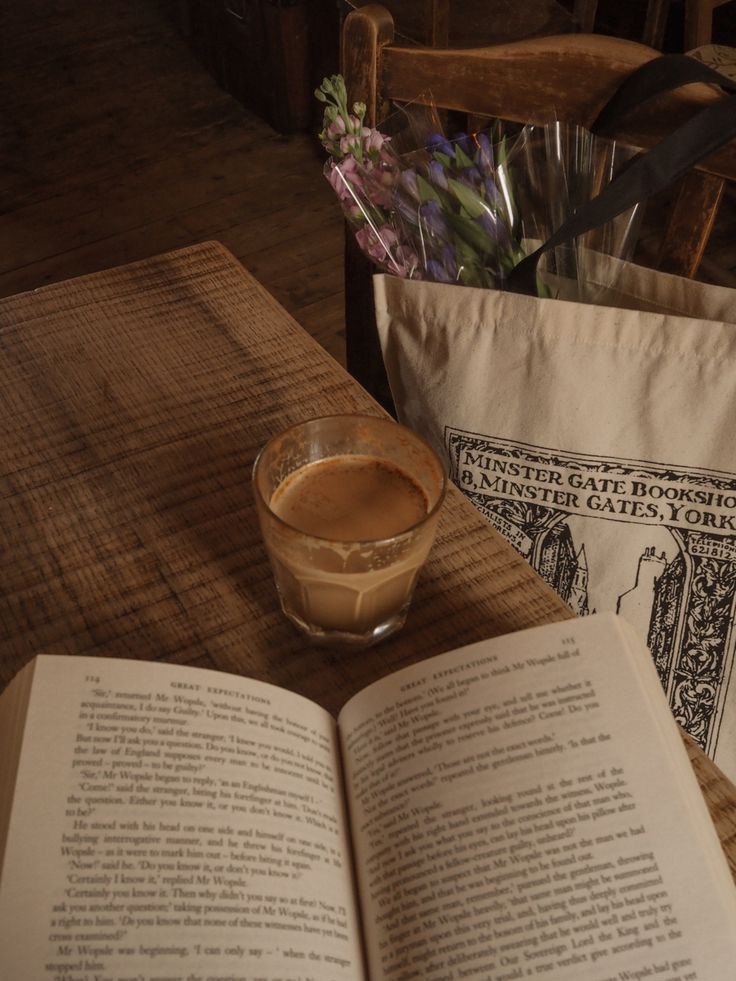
(133,404)
(117,145)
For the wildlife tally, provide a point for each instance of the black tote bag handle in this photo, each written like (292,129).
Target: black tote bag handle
(663,74)
(707,131)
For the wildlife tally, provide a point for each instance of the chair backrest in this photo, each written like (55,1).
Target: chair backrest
(569,77)
(418,21)
(698,20)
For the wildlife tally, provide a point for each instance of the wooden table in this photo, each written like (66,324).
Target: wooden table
(134,402)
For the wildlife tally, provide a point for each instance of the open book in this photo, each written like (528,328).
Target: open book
(520,808)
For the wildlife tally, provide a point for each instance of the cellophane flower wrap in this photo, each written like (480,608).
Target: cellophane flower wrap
(466,209)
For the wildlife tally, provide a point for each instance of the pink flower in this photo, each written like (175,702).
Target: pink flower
(343,177)
(380,182)
(336,129)
(373,141)
(379,191)
(377,243)
(350,145)
(406,263)
(383,247)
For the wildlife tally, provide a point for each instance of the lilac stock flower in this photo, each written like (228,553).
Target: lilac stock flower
(452,211)
(345,179)
(380,183)
(350,145)
(406,263)
(374,142)
(343,133)
(382,245)
(377,243)
(361,186)
(335,129)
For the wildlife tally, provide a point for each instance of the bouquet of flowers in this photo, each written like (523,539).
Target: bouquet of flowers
(464,209)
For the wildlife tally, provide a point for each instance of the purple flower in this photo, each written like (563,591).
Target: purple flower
(452,210)
(434,220)
(437,143)
(493,195)
(444,269)
(436,174)
(470,177)
(408,181)
(496,230)
(484,155)
(449,260)
(465,143)
(438,273)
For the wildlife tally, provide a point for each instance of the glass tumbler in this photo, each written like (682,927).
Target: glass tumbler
(348,507)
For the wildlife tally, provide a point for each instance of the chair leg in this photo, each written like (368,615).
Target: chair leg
(698,23)
(655,23)
(362,347)
(583,13)
(440,21)
(699,194)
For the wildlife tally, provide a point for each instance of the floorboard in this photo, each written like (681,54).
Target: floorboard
(116,144)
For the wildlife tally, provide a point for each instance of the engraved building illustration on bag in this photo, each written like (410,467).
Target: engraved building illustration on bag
(653,543)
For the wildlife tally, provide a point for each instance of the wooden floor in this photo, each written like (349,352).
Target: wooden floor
(115,144)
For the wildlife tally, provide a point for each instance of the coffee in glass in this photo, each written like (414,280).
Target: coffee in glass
(348,507)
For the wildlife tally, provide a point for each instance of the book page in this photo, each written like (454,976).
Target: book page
(525,808)
(175,823)
(12,725)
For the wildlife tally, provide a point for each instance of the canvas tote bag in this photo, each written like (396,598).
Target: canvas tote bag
(600,440)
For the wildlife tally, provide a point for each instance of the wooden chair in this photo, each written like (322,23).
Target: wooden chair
(698,20)
(421,21)
(466,23)
(571,76)
(655,20)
